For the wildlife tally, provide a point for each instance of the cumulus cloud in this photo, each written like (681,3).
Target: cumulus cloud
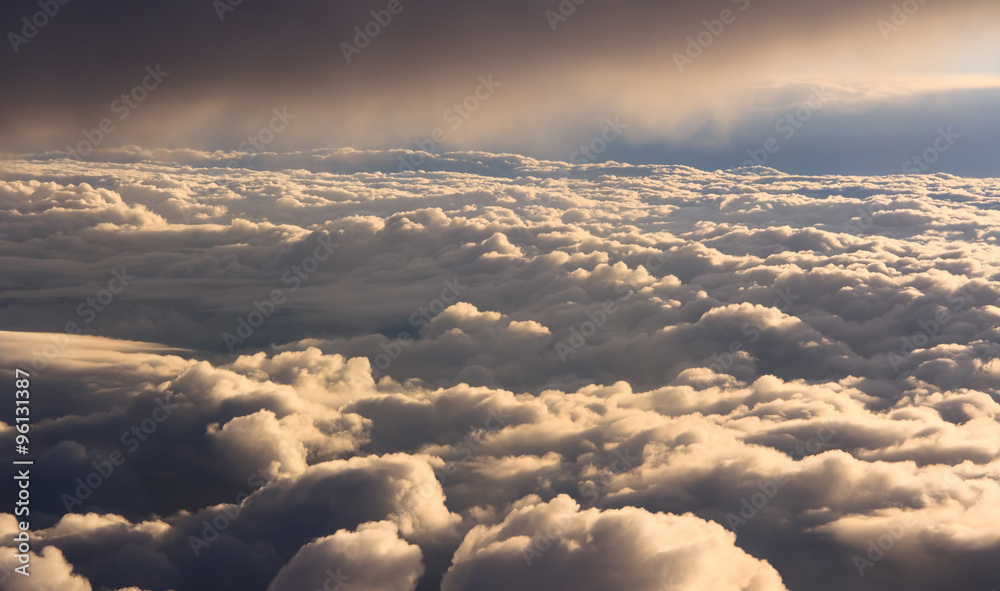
(545,545)
(375,556)
(737,379)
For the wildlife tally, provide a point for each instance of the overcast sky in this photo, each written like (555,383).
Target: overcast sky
(702,84)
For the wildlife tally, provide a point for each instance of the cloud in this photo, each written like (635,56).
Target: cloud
(375,559)
(737,378)
(538,546)
(47,570)
(697,85)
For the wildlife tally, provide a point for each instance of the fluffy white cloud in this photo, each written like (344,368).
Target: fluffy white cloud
(428,367)
(554,544)
(375,558)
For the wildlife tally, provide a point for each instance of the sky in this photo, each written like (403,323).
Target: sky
(697,84)
(462,296)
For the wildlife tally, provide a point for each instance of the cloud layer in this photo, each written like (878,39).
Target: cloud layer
(311,369)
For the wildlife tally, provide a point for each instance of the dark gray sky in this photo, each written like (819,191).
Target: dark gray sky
(703,84)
